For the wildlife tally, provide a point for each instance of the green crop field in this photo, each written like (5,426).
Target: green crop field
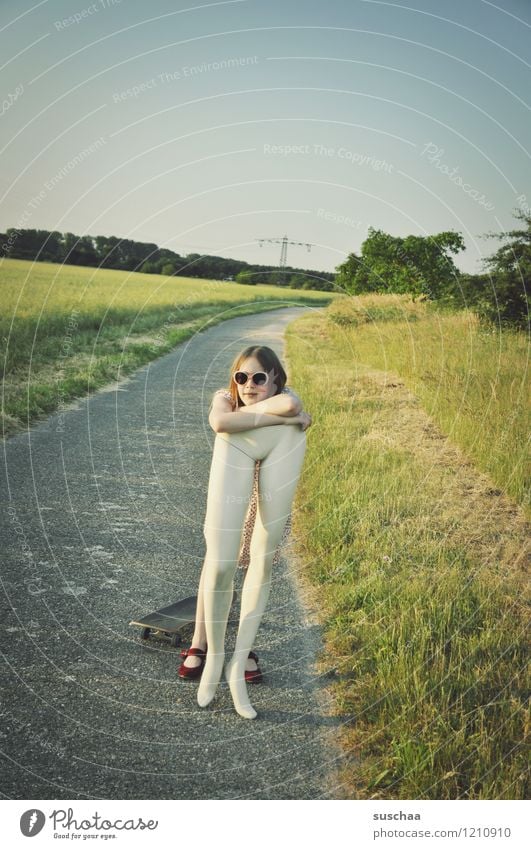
(66,330)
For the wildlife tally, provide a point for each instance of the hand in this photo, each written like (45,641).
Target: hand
(302,418)
(306,420)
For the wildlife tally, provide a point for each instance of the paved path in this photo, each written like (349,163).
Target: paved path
(103,509)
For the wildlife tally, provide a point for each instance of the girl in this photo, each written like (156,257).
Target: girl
(257,419)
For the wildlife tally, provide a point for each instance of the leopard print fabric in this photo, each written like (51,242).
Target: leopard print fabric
(248,527)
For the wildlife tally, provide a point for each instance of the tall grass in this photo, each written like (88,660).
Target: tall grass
(474,382)
(425,628)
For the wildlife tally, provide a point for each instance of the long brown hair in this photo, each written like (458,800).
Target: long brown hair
(269,362)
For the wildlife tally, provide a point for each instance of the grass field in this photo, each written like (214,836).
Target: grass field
(414,553)
(412,511)
(67,330)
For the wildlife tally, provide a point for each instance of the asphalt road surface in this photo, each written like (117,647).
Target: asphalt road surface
(103,506)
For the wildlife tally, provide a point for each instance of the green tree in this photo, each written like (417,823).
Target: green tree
(352,276)
(276,277)
(504,297)
(79,250)
(149,268)
(106,251)
(415,264)
(296,281)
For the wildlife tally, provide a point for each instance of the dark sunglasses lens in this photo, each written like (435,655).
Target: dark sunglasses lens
(240,377)
(260,378)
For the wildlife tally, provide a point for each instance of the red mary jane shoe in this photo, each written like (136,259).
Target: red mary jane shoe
(192,671)
(253,676)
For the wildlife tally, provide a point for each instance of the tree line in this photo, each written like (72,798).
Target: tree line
(148,258)
(423,266)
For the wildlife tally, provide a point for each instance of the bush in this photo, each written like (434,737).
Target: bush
(505,300)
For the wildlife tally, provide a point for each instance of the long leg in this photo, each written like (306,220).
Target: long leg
(199,639)
(199,636)
(279,475)
(229,489)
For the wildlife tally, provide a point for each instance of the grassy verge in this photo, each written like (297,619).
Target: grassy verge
(472,381)
(417,560)
(67,330)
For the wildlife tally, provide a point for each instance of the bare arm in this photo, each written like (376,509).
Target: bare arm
(223,419)
(285,404)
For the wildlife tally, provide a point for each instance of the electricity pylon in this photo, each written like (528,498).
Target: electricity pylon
(284,241)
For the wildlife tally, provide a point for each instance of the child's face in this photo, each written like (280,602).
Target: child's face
(250,393)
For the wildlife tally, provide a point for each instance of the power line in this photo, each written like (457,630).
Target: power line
(284,242)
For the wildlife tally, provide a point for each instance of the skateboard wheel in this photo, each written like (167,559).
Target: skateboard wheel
(176,640)
(145,633)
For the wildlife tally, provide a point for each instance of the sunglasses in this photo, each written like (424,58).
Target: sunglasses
(260,378)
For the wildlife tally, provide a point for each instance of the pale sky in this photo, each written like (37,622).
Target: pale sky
(205,126)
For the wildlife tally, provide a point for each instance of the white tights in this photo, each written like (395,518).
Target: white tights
(281,449)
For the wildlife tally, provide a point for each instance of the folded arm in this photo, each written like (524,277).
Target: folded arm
(285,404)
(280,409)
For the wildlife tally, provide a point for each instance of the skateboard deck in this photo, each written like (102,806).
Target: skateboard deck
(169,622)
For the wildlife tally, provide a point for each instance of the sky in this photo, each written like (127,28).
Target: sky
(206,126)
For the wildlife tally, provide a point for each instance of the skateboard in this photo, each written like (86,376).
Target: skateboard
(169,622)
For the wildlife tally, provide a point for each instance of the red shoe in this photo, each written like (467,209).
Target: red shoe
(184,652)
(192,671)
(253,676)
